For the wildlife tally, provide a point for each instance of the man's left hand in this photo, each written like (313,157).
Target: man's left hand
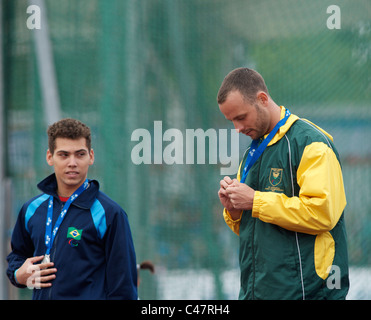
(241,195)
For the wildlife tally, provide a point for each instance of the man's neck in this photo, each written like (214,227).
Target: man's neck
(65,191)
(275,111)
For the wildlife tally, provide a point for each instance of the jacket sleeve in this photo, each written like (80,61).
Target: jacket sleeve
(121,270)
(22,248)
(321,199)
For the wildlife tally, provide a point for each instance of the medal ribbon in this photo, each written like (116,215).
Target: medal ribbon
(256,150)
(49,234)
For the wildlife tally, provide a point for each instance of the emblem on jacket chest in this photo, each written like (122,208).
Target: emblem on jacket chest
(275,179)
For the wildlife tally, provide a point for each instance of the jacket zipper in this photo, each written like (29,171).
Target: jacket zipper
(54,249)
(52,256)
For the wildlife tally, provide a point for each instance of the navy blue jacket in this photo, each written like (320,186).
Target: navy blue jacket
(93,250)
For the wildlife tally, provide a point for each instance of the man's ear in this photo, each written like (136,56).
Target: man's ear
(262,97)
(49,158)
(91,154)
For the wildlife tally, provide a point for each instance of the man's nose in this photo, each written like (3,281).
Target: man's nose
(238,127)
(72,161)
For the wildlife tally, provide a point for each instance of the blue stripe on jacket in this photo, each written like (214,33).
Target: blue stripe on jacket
(99,218)
(33,207)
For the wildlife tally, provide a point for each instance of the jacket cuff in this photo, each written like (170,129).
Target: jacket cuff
(227,216)
(15,276)
(233,224)
(13,279)
(257,208)
(256,204)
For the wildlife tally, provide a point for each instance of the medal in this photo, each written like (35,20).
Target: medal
(46,258)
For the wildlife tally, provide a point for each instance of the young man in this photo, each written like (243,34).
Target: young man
(72,241)
(287,202)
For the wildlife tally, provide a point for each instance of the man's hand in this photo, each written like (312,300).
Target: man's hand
(235,196)
(240,195)
(223,195)
(36,276)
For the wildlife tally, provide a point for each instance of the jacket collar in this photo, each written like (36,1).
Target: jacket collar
(290,121)
(85,200)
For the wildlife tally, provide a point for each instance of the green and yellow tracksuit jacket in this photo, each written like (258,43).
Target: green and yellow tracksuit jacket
(293,241)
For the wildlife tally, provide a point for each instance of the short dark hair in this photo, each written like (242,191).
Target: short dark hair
(70,129)
(247,81)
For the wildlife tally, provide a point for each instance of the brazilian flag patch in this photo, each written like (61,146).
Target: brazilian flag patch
(74,233)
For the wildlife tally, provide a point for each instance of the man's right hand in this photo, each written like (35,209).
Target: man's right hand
(224,197)
(36,276)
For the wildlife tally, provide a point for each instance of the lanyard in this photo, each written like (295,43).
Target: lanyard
(49,235)
(256,150)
